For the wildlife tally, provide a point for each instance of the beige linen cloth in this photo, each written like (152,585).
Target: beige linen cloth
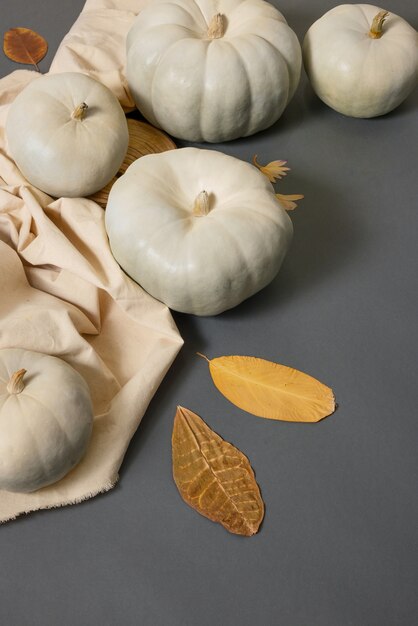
(62,293)
(95,45)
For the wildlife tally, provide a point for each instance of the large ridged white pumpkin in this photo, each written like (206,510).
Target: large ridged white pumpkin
(206,70)
(67,133)
(46,419)
(361,60)
(199,230)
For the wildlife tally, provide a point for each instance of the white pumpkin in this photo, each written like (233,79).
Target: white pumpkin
(361,61)
(45,419)
(67,133)
(199,230)
(212,70)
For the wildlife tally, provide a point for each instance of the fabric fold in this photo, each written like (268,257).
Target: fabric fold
(64,294)
(95,45)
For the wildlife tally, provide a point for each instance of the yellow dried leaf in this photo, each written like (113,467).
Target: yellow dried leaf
(274,170)
(214,477)
(271,390)
(24,45)
(288,201)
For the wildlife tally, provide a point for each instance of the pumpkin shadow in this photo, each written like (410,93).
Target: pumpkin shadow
(327,237)
(165,399)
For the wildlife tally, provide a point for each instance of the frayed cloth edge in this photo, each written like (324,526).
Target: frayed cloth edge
(87,496)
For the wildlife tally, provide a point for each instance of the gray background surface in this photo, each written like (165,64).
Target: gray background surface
(338,546)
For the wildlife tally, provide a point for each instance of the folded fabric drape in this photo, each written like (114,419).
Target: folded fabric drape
(95,45)
(62,293)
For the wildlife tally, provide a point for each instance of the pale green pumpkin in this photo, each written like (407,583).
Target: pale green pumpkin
(212,70)
(361,60)
(199,230)
(46,419)
(67,133)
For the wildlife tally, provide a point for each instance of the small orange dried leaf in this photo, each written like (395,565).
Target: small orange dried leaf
(214,477)
(288,201)
(274,170)
(270,390)
(24,45)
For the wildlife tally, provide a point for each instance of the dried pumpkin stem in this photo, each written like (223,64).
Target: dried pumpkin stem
(16,384)
(201,204)
(216,28)
(80,111)
(376,28)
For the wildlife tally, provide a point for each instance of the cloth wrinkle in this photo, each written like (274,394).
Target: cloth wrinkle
(64,294)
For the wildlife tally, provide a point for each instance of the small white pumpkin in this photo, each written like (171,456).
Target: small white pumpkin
(46,419)
(361,60)
(67,134)
(199,230)
(212,70)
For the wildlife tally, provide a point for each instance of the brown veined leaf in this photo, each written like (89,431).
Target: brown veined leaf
(24,45)
(270,390)
(214,477)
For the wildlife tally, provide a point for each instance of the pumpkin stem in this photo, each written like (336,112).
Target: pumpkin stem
(201,204)
(216,28)
(375,31)
(80,111)
(15,384)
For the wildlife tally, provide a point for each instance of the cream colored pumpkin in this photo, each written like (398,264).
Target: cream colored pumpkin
(361,61)
(67,133)
(45,419)
(199,230)
(212,70)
